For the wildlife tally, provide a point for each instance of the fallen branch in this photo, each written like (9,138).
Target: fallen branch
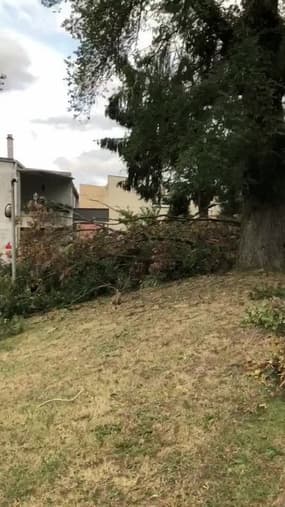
(78,299)
(65,400)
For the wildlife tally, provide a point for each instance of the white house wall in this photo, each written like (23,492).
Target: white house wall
(7,173)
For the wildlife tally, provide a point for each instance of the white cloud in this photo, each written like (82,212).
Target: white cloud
(31,15)
(46,95)
(46,135)
(14,64)
(92,166)
(98,121)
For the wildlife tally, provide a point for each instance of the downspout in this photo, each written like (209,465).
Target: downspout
(13,224)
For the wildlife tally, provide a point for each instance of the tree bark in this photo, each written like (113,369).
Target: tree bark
(262,244)
(203,212)
(203,199)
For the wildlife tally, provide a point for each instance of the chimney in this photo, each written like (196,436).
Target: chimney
(10,146)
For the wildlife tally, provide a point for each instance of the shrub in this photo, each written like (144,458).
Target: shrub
(271,371)
(11,327)
(267,292)
(269,315)
(56,269)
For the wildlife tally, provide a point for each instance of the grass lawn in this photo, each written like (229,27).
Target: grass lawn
(167,415)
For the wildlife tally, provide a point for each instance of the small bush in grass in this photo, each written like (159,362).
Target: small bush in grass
(271,371)
(269,315)
(11,327)
(267,293)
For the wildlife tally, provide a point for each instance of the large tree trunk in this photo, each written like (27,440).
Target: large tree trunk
(202,200)
(262,244)
(203,212)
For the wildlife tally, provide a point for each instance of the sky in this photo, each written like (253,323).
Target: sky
(34,98)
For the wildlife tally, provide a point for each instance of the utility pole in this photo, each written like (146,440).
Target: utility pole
(13,224)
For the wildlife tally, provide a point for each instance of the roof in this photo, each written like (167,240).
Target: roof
(44,172)
(29,170)
(121,176)
(12,161)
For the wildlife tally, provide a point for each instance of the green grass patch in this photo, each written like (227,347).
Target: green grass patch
(249,457)
(21,480)
(104,431)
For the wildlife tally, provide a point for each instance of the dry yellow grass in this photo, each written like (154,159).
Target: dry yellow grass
(168,416)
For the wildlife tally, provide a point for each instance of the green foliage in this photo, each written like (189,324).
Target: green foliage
(11,327)
(268,292)
(178,200)
(273,370)
(104,431)
(230,202)
(202,104)
(58,273)
(269,315)
(146,216)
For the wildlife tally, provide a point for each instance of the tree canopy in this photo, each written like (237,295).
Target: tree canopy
(202,103)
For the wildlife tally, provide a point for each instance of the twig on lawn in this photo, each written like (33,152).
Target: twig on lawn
(62,399)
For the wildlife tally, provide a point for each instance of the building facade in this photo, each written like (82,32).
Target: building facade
(107,201)
(54,188)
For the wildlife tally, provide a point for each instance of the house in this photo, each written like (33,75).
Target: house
(52,186)
(102,204)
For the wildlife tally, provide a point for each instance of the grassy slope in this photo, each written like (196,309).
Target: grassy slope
(167,417)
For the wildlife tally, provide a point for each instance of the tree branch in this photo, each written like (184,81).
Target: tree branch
(211,14)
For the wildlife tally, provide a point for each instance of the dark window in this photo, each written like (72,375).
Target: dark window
(91,215)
